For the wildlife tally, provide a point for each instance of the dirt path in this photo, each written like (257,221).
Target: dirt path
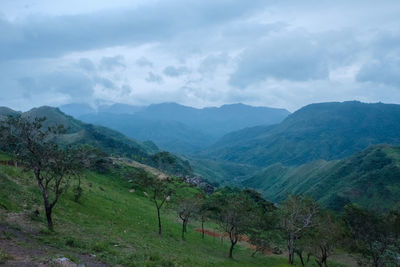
(21,249)
(243,240)
(135,164)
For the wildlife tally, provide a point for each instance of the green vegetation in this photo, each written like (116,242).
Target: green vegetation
(104,139)
(370,178)
(117,225)
(326,131)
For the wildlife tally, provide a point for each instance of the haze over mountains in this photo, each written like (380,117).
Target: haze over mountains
(175,127)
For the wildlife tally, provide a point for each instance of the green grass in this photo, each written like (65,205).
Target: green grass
(119,227)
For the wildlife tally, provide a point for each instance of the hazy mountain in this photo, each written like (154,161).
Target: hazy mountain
(370,178)
(169,135)
(5,112)
(76,109)
(79,109)
(184,129)
(318,131)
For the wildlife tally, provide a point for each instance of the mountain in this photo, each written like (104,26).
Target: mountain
(77,109)
(325,131)
(5,112)
(180,128)
(109,141)
(370,178)
(169,135)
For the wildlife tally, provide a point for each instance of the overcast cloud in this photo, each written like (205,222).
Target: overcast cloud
(199,53)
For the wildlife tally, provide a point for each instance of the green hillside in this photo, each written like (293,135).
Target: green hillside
(109,141)
(370,178)
(325,131)
(110,225)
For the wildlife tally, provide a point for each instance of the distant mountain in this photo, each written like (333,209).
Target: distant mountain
(325,131)
(76,109)
(216,121)
(110,141)
(370,178)
(169,135)
(180,128)
(5,112)
(79,109)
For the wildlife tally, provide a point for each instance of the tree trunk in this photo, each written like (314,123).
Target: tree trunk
(183,229)
(291,249)
(300,254)
(47,206)
(159,220)
(48,216)
(233,236)
(308,257)
(202,229)
(231,250)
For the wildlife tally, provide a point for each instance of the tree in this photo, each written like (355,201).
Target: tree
(297,216)
(263,228)
(35,147)
(375,236)
(234,211)
(187,205)
(161,191)
(324,237)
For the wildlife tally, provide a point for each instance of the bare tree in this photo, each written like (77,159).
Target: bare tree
(297,216)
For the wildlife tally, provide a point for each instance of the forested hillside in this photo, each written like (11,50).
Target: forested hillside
(107,140)
(325,131)
(370,178)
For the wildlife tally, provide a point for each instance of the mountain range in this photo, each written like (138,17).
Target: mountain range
(335,152)
(175,127)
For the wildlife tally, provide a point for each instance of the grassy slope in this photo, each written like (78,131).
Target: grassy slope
(85,227)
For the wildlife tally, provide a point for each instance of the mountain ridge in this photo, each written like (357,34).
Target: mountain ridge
(326,131)
(197,128)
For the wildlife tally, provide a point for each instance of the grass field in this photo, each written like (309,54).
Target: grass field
(118,226)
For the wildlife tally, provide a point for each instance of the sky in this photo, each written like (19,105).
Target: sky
(281,53)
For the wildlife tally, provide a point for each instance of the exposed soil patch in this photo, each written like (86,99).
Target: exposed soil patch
(24,250)
(243,239)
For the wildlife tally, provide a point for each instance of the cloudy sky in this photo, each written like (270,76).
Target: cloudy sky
(198,53)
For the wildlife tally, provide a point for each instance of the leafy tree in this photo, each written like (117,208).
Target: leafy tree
(186,206)
(322,239)
(234,211)
(263,228)
(34,146)
(161,191)
(375,236)
(297,216)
